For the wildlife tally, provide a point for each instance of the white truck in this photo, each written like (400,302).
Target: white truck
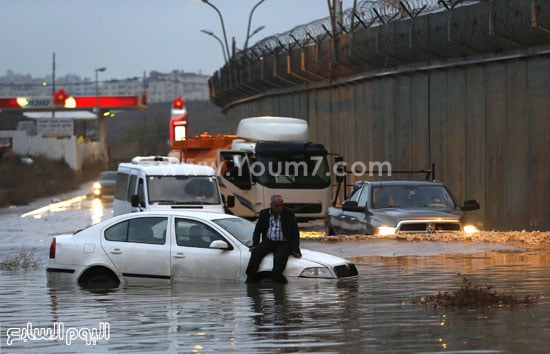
(274,155)
(163,183)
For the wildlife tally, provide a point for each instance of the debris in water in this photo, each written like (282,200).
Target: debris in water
(471,296)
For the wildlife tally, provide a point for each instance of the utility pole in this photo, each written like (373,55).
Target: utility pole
(53,80)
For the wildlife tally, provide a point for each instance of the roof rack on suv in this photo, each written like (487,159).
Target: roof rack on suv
(344,179)
(154,160)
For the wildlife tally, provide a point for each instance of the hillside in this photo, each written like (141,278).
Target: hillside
(153,122)
(140,133)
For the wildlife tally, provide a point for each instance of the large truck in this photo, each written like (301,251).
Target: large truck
(267,155)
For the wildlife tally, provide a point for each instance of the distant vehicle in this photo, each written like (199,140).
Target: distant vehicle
(105,184)
(163,183)
(173,246)
(399,207)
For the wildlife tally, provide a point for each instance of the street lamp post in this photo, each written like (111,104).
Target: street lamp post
(223,26)
(102,69)
(248,35)
(100,118)
(210,33)
(258,29)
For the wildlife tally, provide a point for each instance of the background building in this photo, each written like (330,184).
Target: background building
(161,87)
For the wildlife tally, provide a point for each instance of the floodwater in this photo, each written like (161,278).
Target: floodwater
(373,314)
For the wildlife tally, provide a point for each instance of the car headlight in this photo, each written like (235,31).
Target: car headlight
(384,230)
(470,229)
(96,185)
(316,272)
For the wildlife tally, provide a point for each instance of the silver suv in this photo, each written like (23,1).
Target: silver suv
(398,207)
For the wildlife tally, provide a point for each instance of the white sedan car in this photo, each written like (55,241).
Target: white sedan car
(172,246)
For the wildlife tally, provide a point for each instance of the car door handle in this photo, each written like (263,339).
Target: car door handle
(179,255)
(116,251)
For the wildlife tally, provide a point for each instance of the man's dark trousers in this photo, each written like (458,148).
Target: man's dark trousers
(280,251)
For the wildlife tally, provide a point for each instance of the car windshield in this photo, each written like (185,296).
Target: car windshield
(183,190)
(241,229)
(407,196)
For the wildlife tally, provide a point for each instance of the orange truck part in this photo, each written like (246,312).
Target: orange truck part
(202,148)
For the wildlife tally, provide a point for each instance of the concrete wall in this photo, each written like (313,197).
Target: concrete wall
(484,123)
(68,149)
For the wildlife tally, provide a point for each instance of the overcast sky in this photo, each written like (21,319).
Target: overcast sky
(129,37)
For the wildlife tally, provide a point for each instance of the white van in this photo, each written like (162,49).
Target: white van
(163,183)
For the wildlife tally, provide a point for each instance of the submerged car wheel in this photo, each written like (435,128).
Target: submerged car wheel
(103,279)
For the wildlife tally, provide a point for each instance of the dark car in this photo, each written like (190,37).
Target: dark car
(398,207)
(105,184)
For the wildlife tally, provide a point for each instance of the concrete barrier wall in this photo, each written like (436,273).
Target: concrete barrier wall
(68,149)
(485,124)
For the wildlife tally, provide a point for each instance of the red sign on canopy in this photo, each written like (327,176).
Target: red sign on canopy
(60,100)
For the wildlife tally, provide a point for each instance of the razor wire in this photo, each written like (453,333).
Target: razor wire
(367,13)
(381,34)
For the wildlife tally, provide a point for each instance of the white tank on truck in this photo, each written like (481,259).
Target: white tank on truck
(273,129)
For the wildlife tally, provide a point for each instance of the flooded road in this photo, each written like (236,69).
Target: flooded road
(375,313)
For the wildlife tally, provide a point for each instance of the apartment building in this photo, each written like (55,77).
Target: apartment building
(161,87)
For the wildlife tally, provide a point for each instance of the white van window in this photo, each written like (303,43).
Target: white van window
(121,186)
(183,190)
(131,187)
(141,190)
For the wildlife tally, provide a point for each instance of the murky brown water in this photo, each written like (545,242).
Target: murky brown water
(373,314)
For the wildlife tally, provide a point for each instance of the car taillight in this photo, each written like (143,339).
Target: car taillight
(52,249)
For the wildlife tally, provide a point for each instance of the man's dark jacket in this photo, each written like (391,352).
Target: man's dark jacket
(288,225)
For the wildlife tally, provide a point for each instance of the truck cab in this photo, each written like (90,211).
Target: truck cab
(273,155)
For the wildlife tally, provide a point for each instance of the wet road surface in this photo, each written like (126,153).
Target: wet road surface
(375,313)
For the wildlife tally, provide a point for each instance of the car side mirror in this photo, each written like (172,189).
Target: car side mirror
(219,244)
(341,169)
(230,201)
(134,200)
(351,205)
(470,204)
(136,203)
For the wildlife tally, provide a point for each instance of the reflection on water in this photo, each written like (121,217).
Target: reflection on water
(96,210)
(72,203)
(96,207)
(31,228)
(371,314)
